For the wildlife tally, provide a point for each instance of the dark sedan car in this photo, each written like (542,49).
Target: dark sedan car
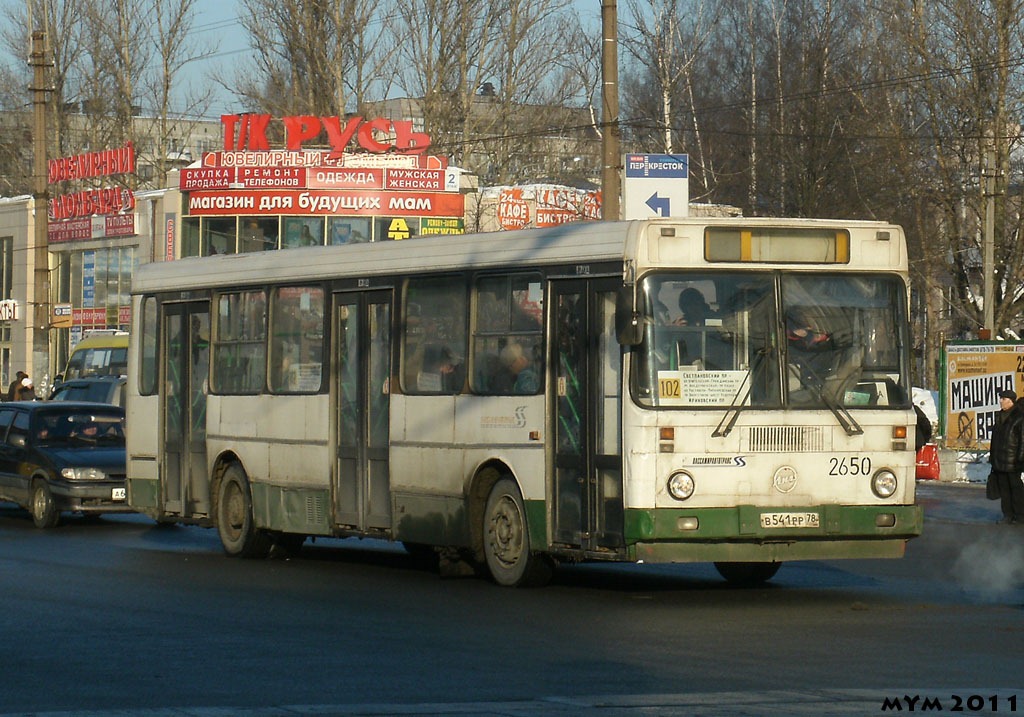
(62,456)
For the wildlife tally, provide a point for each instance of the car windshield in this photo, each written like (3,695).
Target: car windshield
(79,427)
(799,340)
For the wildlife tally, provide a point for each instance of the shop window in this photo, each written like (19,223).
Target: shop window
(218,235)
(302,231)
(257,234)
(190,236)
(348,230)
(296,339)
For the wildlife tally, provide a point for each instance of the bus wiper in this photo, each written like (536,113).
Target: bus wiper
(732,413)
(845,418)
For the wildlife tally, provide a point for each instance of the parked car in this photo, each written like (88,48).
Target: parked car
(101,389)
(62,456)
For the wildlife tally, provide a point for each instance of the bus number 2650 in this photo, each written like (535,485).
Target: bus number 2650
(849,466)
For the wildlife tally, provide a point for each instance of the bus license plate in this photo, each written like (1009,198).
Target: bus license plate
(117,494)
(790,520)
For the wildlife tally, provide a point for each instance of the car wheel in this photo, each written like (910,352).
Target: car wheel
(507,540)
(235,524)
(44,509)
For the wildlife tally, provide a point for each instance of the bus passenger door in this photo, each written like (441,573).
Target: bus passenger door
(361,388)
(586,400)
(185,484)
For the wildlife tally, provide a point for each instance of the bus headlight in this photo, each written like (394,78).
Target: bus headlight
(680,485)
(883,483)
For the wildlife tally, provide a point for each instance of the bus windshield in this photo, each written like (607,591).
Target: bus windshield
(795,340)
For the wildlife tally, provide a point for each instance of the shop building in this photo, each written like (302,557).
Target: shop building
(375,181)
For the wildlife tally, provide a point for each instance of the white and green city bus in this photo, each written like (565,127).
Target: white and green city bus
(516,400)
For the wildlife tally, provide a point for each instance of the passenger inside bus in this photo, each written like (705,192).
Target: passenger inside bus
(441,372)
(693,307)
(819,359)
(520,375)
(802,335)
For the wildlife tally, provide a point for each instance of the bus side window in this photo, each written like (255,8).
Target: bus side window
(296,339)
(434,336)
(508,345)
(239,348)
(148,360)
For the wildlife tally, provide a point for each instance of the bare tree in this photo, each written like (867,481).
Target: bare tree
(174,103)
(115,58)
(61,21)
(447,57)
(964,97)
(523,121)
(579,74)
(317,57)
(667,39)
(490,95)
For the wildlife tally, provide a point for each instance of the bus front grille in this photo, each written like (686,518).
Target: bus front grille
(770,439)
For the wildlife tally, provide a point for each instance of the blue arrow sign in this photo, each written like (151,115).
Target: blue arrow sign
(659,205)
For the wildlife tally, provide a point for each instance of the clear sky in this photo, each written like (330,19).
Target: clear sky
(217,29)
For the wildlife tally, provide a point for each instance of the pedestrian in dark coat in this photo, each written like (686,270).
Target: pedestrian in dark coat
(1006,454)
(12,390)
(26,391)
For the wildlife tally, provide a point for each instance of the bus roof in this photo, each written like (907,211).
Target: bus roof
(117,339)
(572,243)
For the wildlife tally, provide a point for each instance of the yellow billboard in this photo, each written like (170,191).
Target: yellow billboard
(973,375)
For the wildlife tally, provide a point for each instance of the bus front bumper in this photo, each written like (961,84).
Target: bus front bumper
(750,533)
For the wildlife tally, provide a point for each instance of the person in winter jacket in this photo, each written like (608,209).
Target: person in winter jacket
(1006,454)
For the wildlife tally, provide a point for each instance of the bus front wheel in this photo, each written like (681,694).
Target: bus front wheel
(507,540)
(747,574)
(235,525)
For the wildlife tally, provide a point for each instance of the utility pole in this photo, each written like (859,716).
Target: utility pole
(610,152)
(988,260)
(40,195)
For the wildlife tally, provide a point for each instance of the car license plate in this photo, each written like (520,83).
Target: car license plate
(118,494)
(790,520)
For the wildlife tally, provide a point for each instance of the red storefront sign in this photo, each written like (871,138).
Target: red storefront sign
(414,180)
(559,205)
(513,211)
(326,202)
(119,225)
(109,200)
(345,178)
(270,178)
(378,135)
(193,179)
(90,317)
(85,228)
(103,163)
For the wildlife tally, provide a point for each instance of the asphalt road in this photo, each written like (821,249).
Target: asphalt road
(120,617)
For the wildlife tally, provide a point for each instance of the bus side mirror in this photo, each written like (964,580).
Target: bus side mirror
(629,324)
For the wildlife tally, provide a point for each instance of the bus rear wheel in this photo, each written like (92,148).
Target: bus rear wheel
(747,574)
(507,540)
(235,525)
